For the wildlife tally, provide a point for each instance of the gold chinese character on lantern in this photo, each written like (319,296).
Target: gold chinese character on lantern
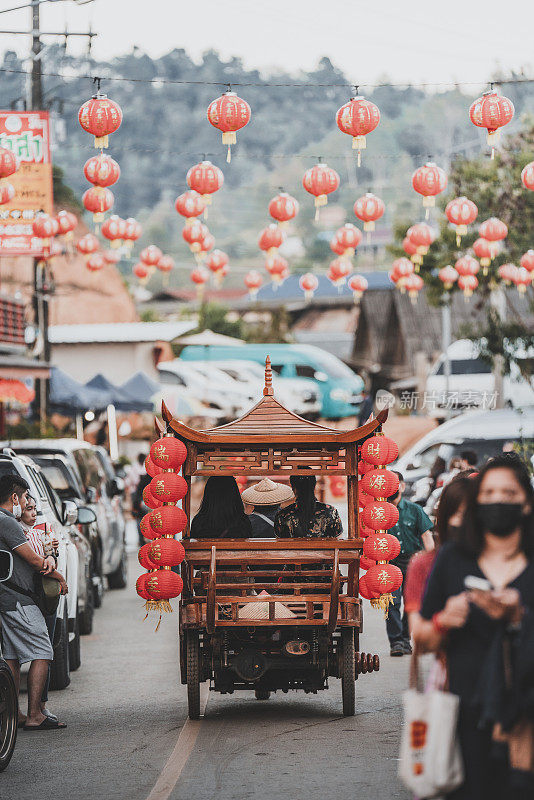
(378,514)
(377,482)
(161,453)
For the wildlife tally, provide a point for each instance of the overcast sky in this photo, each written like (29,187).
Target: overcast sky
(412,40)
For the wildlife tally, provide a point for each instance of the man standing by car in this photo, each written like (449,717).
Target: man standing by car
(414,532)
(24,633)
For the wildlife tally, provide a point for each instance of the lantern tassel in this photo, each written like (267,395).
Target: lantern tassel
(359,158)
(382,603)
(458,240)
(317,214)
(229,155)
(427,213)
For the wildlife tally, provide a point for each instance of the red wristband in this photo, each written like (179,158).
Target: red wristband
(438,627)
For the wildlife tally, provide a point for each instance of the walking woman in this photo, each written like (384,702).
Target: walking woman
(487,631)
(306,518)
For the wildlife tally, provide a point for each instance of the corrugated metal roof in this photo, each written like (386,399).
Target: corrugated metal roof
(290,289)
(119,332)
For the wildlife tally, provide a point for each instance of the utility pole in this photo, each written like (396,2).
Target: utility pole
(36,85)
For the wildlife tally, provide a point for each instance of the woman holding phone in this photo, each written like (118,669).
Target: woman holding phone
(478,605)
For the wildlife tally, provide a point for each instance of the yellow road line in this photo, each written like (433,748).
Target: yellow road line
(182,750)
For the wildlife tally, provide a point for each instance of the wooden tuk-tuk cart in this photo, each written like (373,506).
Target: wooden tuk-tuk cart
(261,614)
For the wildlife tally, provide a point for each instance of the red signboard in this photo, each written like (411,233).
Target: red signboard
(27,134)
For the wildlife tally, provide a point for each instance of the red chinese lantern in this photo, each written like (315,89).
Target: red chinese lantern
(194,234)
(113,229)
(467,265)
(381,547)
(270,239)
(461,212)
(95,262)
(422,236)
(149,500)
(428,181)
(364,466)
(98,201)
(338,485)
(493,230)
(364,589)
(506,273)
(491,111)
(278,268)
(413,285)
(151,469)
(379,450)
(206,245)
(320,181)
(163,585)
(468,284)
(144,526)
(199,276)
(87,244)
(527,176)
(100,116)
(309,284)
(448,276)
(253,282)
(217,260)
(166,552)
(369,208)
(131,231)
(165,264)
(205,178)
(522,278)
(527,261)
(9,163)
(380,483)
(168,453)
(484,251)
(358,285)
(382,578)
(7,193)
(229,113)
(348,238)
(144,557)
(339,270)
(380,515)
(167,520)
(401,269)
(140,586)
(44,227)
(150,255)
(357,118)
(141,271)
(366,563)
(365,532)
(364,499)
(66,221)
(102,170)
(190,205)
(283,207)
(411,249)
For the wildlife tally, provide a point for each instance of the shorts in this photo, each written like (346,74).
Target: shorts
(24,635)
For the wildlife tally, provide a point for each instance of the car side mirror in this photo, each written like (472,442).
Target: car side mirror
(6,565)
(85,516)
(321,376)
(70,512)
(91,495)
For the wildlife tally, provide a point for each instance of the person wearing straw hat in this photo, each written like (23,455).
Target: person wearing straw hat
(262,503)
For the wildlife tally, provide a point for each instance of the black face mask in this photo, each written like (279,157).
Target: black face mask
(501,519)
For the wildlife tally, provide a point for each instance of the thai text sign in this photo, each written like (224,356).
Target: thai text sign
(27,134)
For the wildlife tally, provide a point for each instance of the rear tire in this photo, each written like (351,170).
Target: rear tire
(193,675)
(9,713)
(97,579)
(85,617)
(60,669)
(348,677)
(262,694)
(75,654)
(119,578)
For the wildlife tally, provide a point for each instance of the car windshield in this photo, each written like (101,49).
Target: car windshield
(58,476)
(466,366)
(333,367)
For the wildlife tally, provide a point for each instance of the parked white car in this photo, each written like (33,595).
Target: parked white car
(484,432)
(227,402)
(73,562)
(471,382)
(299,395)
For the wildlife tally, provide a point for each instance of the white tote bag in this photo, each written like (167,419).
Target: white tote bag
(430,763)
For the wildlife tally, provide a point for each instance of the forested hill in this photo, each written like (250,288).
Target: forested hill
(165,131)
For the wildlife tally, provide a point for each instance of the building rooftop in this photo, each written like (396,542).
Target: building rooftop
(119,332)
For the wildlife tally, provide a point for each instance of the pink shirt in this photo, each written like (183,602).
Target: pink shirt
(33,535)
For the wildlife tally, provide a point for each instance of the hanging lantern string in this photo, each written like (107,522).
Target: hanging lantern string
(268,84)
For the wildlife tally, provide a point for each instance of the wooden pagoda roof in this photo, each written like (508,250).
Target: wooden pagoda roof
(269,422)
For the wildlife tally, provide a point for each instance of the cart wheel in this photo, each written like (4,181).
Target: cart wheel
(193,675)
(348,678)
(262,694)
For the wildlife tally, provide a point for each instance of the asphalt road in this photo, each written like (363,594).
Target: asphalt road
(126,716)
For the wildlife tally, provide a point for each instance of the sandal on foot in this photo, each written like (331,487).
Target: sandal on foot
(46,725)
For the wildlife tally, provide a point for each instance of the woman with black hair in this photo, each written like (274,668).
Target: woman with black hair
(478,609)
(221,514)
(307,518)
